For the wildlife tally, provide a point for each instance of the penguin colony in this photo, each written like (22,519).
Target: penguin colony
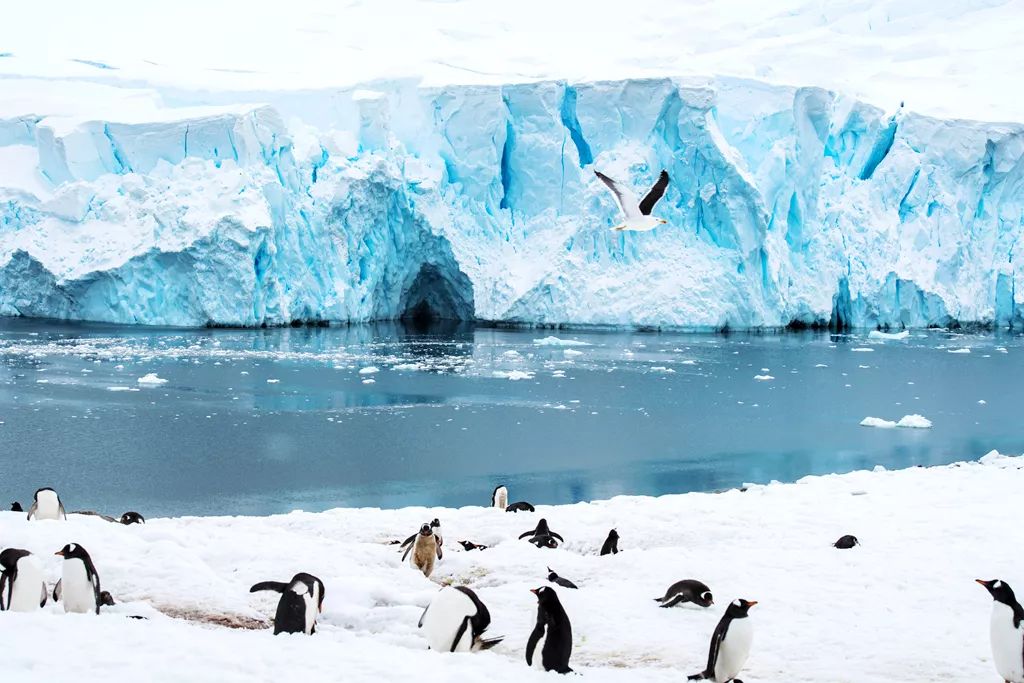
(455,619)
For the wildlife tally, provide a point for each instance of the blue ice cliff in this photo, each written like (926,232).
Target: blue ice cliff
(787,206)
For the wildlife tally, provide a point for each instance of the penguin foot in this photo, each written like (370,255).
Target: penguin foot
(703,675)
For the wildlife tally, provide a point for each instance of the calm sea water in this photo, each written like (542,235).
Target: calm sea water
(266,421)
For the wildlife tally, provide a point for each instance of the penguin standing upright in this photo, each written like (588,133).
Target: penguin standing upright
(455,620)
(730,644)
(302,599)
(22,587)
(554,627)
(79,585)
(499,499)
(425,550)
(611,544)
(1006,630)
(689,590)
(46,505)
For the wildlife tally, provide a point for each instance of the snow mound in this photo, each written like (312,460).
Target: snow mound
(151,379)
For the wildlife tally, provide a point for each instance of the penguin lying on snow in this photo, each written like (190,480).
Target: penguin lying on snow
(455,620)
(846,542)
(79,585)
(730,645)
(689,590)
(544,541)
(611,544)
(126,518)
(302,599)
(22,587)
(542,529)
(131,517)
(555,578)
(1006,630)
(469,545)
(424,550)
(46,505)
(499,498)
(554,627)
(521,506)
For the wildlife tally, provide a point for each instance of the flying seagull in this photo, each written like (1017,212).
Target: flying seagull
(637,214)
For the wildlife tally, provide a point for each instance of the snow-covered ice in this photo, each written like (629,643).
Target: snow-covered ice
(369,370)
(878,334)
(151,379)
(925,532)
(907,421)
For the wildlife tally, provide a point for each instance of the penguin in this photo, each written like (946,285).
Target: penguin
(132,518)
(79,586)
(555,578)
(424,551)
(544,541)
(846,542)
(499,499)
(730,644)
(611,544)
(521,506)
(22,587)
(554,627)
(469,545)
(541,529)
(302,599)
(455,620)
(1006,630)
(689,590)
(46,505)
(16,507)
(435,526)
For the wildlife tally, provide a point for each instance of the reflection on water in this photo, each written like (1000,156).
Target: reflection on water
(262,421)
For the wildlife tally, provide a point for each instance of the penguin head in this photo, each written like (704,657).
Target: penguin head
(435,523)
(545,596)
(16,507)
(707,599)
(132,518)
(739,608)
(999,590)
(72,551)
(613,534)
(425,530)
(106,598)
(35,496)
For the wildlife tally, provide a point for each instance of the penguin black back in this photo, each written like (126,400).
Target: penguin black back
(302,599)
(846,542)
(132,518)
(553,625)
(16,507)
(556,579)
(688,590)
(611,544)
(521,506)
(542,529)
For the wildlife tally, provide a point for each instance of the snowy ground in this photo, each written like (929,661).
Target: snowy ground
(902,607)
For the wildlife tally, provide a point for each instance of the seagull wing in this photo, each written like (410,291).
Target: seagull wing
(624,197)
(647,205)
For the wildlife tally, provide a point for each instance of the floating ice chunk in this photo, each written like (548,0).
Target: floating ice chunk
(569,353)
(1001,349)
(513,375)
(662,368)
(151,380)
(369,370)
(511,353)
(862,349)
(878,334)
(982,402)
(963,350)
(821,365)
(273,381)
(907,422)
(763,378)
(555,341)
(407,366)
(120,388)
(369,381)
(689,362)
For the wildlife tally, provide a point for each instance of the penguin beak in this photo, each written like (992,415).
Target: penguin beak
(751,603)
(534,591)
(59,553)
(982,582)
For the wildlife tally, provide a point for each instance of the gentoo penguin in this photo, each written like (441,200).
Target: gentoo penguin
(555,578)
(79,586)
(611,544)
(689,590)
(302,599)
(544,541)
(16,507)
(554,627)
(46,505)
(435,526)
(1006,630)
(846,542)
(469,545)
(22,587)
(499,499)
(455,620)
(541,529)
(730,644)
(132,518)
(521,506)
(424,551)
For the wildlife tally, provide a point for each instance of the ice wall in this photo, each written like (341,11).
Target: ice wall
(786,207)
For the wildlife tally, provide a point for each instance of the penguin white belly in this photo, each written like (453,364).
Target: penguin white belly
(310,601)
(47,505)
(444,616)
(501,498)
(26,594)
(76,589)
(538,654)
(734,650)
(1007,644)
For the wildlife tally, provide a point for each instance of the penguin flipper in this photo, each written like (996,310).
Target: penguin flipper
(531,644)
(459,634)
(440,553)
(58,590)
(423,616)
(556,535)
(408,541)
(276,586)
(3,581)
(487,643)
(531,532)
(676,599)
(60,510)
(43,595)
(406,553)
(32,510)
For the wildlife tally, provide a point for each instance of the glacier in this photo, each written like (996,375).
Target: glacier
(788,207)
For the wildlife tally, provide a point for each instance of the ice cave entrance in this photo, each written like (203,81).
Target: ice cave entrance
(438,295)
